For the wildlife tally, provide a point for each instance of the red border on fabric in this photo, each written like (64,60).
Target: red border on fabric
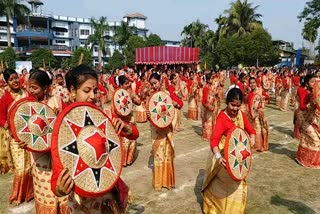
(316,91)
(250,104)
(55,149)
(226,155)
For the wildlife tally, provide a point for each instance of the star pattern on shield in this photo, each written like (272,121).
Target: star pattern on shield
(95,141)
(244,154)
(123,101)
(162,112)
(39,122)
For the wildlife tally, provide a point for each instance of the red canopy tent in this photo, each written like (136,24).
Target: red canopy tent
(166,55)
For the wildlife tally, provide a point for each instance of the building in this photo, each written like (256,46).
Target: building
(288,55)
(171,43)
(61,34)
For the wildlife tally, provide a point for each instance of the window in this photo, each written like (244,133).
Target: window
(59,33)
(84,32)
(82,43)
(95,49)
(60,41)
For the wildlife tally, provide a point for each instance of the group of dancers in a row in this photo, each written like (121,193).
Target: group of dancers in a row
(204,92)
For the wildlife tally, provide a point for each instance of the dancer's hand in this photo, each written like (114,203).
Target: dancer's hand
(118,125)
(64,183)
(56,111)
(148,114)
(222,162)
(252,140)
(22,144)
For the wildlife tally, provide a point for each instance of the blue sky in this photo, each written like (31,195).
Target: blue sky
(168,17)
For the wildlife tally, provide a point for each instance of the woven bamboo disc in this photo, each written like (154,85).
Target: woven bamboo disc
(238,154)
(86,143)
(32,123)
(161,109)
(122,102)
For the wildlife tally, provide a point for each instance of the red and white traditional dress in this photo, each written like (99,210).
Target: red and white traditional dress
(303,99)
(260,123)
(22,188)
(308,154)
(163,153)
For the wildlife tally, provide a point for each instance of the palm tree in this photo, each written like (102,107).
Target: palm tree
(10,9)
(241,18)
(221,21)
(123,32)
(100,27)
(310,34)
(193,33)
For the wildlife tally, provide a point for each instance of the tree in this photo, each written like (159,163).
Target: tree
(116,61)
(206,46)
(8,56)
(98,37)
(123,32)
(41,58)
(221,22)
(311,15)
(241,19)
(129,52)
(247,50)
(310,34)
(153,40)
(199,35)
(86,59)
(10,9)
(193,34)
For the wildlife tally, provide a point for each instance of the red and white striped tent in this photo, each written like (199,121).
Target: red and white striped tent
(166,55)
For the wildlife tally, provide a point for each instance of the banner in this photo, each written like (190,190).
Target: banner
(20,65)
(166,55)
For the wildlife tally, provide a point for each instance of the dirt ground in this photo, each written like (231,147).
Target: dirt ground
(276,183)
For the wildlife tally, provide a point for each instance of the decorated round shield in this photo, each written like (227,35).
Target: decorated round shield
(238,154)
(32,122)
(316,94)
(254,105)
(85,142)
(161,109)
(14,105)
(122,102)
(266,84)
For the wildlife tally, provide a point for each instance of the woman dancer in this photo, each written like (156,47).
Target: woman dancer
(222,194)
(22,188)
(259,123)
(162,145)
(129,146)
(82,82)
(45,200)
(308,154)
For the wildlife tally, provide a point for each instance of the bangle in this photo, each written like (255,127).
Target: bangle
(217,155)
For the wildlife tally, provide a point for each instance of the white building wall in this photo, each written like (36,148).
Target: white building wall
(140,23)
(60,24)
(3,29)
(4,19)
(60,34)
(58,41)
(85,28)
(3,38)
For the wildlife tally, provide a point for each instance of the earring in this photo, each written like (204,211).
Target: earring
(73,96)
